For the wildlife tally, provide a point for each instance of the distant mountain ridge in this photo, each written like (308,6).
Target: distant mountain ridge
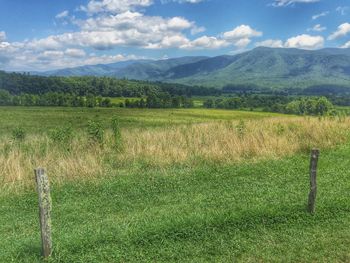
(262,67)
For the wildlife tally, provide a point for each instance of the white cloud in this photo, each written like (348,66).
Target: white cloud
(343,30)
(342,10)
(242,31)
(242,43)
(241,35)
(206,42)
(317,28)
(317,16)
(2,36)
(13,58)
(346,45)
(110,24)
(195,29)
(50,55)
(279,3)
(178,23)
(275,43)
(305,42)
(301,41)
(62,14)
(183,1)
(114,6)
(174,41)
(131,29)
(75,52)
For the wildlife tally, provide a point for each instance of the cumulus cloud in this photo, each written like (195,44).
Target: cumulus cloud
(75,52)
(241,35)
(131,29)
(195,29)
(206,42)
(305,42)
(346,45)
(317,16)
(342,30)
(30,60)
(183,1)
(110,24)
(114,6)
(242,31)
(317,28)
(275,43)
(301,41)
(280,3)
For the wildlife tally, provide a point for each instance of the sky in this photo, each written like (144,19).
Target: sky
(39,35)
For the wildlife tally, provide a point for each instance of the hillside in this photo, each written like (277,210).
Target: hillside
(264,67)
(287,68)
(131,69)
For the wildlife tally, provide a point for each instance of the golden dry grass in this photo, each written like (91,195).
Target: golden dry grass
(223,142)
(214,142)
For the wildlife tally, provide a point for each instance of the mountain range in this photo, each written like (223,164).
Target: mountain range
(262,67)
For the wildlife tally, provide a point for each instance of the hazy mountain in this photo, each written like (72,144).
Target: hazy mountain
(131,69)
(265,67)
(91,70)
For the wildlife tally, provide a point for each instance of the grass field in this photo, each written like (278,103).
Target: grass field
(188,186)
(39,119)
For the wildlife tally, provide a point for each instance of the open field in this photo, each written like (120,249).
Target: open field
(182,186)
(39,119)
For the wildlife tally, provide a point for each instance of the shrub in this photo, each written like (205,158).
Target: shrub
(95,131)
(61,135)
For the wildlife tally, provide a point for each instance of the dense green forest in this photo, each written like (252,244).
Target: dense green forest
(18,89)
(281,104)
(16,84)
(153,100)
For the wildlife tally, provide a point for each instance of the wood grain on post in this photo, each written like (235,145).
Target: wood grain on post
(313,183)
(43,188)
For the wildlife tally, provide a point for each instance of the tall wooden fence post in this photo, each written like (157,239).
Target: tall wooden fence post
(43,188)
(313,183)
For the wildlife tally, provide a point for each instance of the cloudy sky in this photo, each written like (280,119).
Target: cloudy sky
(46,34)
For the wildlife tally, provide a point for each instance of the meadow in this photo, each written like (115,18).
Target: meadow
(174,185)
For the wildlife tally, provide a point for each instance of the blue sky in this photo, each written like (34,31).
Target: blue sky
(46,34)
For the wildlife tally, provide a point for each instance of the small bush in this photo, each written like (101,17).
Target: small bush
(61,135)
(95,132)
(18,134)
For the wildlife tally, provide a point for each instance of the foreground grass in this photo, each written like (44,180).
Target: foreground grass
(186,186)
(232,213)
(191,145)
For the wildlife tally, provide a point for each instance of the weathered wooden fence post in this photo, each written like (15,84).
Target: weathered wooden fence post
(313,184)
(43,188)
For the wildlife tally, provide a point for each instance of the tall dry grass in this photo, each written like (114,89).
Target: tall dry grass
(224,142)
(216,142)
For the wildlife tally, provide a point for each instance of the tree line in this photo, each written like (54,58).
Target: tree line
(154,100)
(281,104)
(161,100)
(18,83)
